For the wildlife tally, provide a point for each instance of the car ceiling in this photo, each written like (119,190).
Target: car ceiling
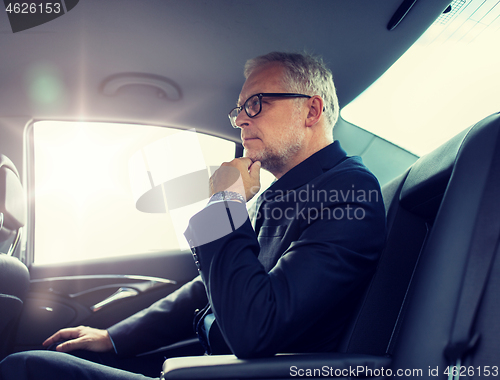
(200,47)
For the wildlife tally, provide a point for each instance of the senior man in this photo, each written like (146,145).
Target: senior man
(284,279)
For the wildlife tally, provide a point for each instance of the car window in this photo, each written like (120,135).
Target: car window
(445,82)
(94,187)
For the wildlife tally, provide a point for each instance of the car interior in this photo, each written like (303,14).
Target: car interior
(108,101)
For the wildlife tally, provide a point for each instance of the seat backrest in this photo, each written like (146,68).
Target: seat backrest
(9,316)
(412,202)
(14,276)
(438,279)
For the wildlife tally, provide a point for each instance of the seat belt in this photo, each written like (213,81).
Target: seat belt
(482,251)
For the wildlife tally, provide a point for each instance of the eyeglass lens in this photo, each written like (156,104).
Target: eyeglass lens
(252,107)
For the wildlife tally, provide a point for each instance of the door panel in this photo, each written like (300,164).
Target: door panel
(97,293)
(86,229)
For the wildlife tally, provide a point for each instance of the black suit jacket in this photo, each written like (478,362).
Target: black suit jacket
(289,283)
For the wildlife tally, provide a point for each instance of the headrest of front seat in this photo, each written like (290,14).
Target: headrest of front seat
(428,179)
(12,200)
(426,183)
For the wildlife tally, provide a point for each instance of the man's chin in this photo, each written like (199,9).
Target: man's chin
(253,154)
(268,162)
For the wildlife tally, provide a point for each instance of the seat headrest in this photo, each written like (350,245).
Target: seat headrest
(12,199)
(426,183)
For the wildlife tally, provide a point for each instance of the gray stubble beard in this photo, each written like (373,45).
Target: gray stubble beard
(274,159)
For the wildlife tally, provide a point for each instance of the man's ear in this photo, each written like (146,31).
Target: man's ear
(316,105)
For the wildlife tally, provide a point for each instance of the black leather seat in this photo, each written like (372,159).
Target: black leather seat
(438,283)
(412,305)
(14,276)
(412,201)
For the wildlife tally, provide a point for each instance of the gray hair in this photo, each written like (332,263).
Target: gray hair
(305,74)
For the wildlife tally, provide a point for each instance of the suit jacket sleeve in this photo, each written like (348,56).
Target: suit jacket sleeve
(167,321)
(260,313)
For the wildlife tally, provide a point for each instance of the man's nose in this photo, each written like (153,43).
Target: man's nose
(242,119)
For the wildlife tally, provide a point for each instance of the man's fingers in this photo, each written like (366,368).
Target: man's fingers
(244,161)
(71,345)
(49,340)
(255,170)
(228,177)
(231,173)
(240,175)
(81,337)
(63,334)
(254,184)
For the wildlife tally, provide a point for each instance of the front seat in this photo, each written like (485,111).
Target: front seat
(14,276)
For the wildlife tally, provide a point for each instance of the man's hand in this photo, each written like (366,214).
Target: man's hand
(241,175)
(82,337)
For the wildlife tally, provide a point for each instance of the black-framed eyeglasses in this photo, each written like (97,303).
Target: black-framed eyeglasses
(253,105)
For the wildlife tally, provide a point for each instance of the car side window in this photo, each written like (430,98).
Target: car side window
(106,189)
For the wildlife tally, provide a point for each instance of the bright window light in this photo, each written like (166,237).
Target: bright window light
(447,81)
(86,187)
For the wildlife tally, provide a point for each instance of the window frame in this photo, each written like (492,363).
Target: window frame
(27,252)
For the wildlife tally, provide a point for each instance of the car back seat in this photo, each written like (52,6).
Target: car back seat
(438,282)
(412,201)
(408,308)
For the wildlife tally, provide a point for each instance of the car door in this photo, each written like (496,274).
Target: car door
(108,205)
